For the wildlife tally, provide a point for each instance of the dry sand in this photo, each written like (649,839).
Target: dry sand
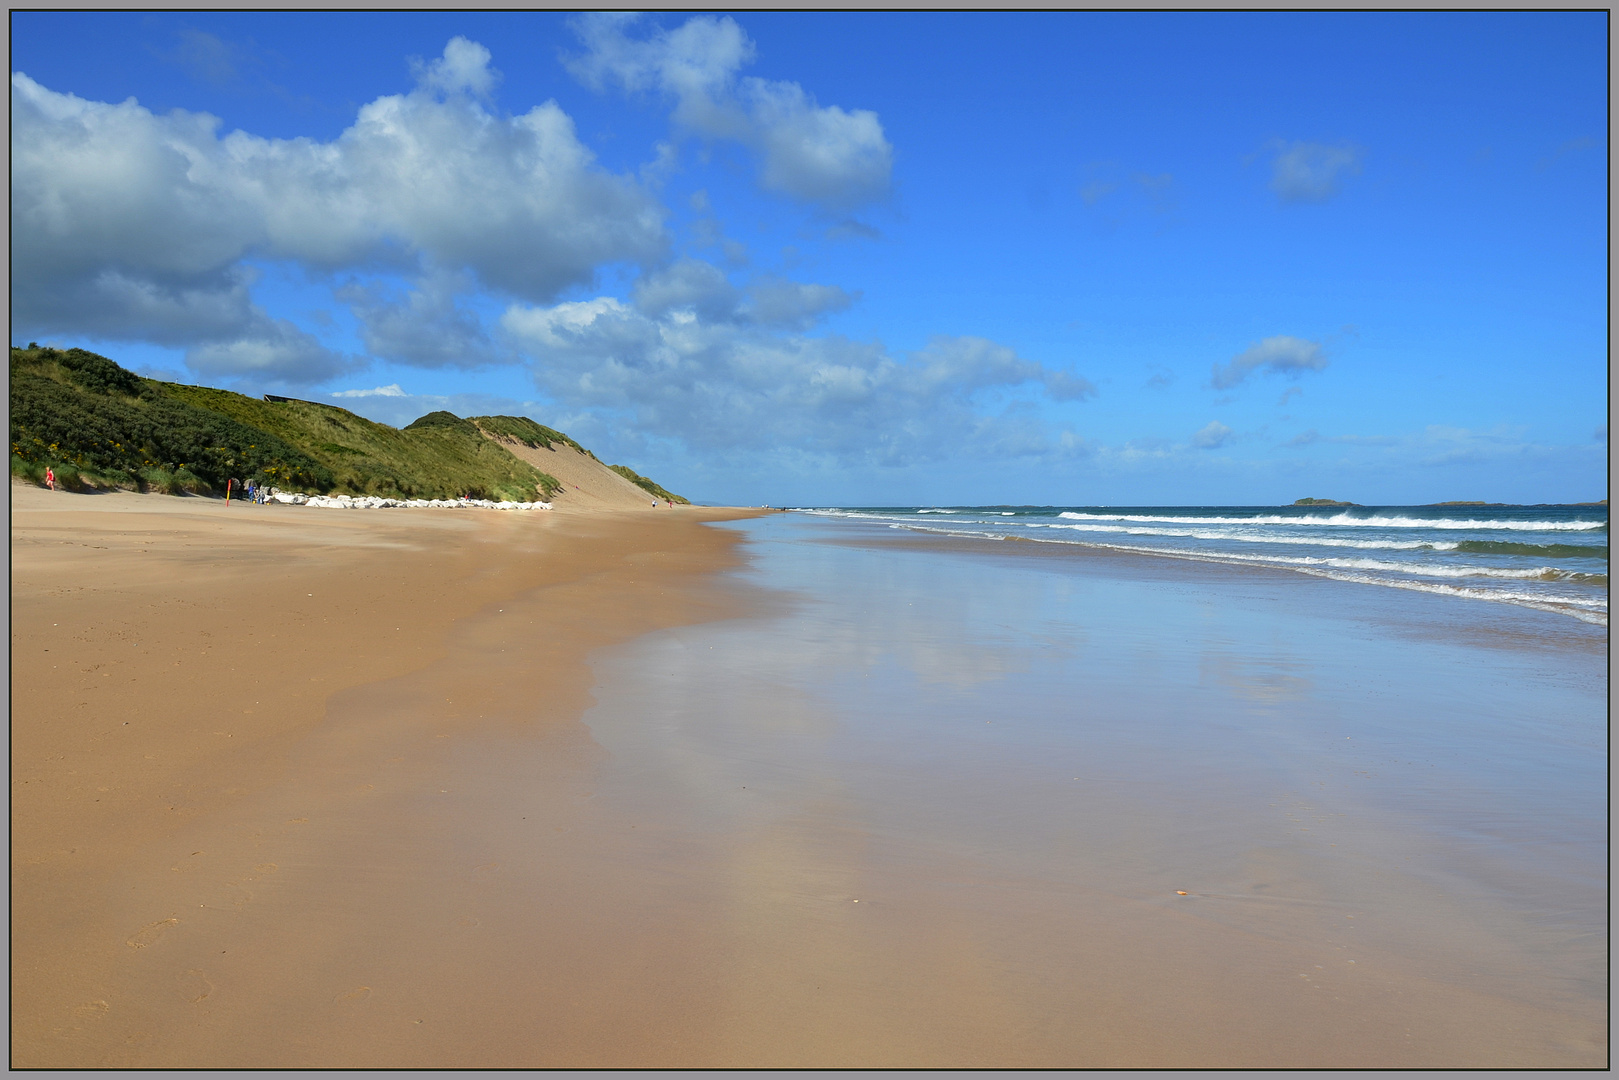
(215,727)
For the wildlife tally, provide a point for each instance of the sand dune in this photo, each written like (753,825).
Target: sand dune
(587,484)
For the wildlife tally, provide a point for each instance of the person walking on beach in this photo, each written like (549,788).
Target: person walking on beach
(50,478)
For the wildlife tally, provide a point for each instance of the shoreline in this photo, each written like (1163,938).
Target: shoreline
(174,667)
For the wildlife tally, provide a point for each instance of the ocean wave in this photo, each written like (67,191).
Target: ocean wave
(1591,611)
(1590,608)
(1260,538)
(1539,551)
(1346,520)
(1537,573)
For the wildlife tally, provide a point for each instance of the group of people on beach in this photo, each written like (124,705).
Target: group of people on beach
(254,490)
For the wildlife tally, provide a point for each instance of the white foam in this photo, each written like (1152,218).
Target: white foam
(1361,571)
(1346,520)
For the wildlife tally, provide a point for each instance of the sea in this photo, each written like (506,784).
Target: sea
(1190,801)
(1550,557)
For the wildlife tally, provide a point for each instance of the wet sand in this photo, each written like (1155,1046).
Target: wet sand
(618,791)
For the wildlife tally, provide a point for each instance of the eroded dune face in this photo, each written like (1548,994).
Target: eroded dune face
(587,484)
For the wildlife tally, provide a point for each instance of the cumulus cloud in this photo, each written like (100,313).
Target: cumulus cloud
(1311,172)
(1211,436)
(271,351)
(425,327)
(702,289)
(825,155)
(735,384)
(1284,354)
(463,68)
(139,226)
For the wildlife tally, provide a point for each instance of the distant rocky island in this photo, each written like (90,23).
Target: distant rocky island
(1453,502)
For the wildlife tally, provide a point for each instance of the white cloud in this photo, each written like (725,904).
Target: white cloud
(1310,172)
(688,285)
(271,351)
(464,67)
(1288,355)
(731,385)
(774,301)
(825,155)
(704,290)
(1211,436)
(138,226)
(391,390)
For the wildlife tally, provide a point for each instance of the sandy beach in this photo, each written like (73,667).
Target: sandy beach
(303,788)
(182,775)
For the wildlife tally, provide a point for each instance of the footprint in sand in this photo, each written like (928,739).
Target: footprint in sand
(148,935)
(195,987)
(486,869)
(267,868)
(359,993)
(91,1008)
(468,921)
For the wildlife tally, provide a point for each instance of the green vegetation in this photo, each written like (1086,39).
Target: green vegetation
(647,485)
(1322,502)
(524,431)
(98,425)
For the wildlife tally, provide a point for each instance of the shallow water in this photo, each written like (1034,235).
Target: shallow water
(1552,558)
(1105,809)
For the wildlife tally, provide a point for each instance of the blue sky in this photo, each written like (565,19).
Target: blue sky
(847,259)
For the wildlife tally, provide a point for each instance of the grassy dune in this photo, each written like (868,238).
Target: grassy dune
(99,425)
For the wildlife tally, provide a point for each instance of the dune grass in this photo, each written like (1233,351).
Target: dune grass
(440,456)
(647,485)
(99,425)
